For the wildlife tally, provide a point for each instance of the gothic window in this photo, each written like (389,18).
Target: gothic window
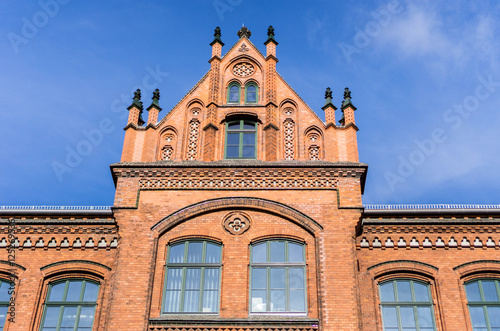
(289,139)
(277,277)
(70,305)
(194,129)
(251,93)
(5,293)
(233,93)
(406,304)
(484,304)
(241,139)
(192,277)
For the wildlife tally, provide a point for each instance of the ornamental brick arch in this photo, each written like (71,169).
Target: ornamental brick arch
(241,203)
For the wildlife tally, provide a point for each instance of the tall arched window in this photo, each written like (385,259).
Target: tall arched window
(277,277)
(483,299)
(5,293)
(241,139)
(251,93)
(406,304)
(192,277)
(70,305)
(233,93)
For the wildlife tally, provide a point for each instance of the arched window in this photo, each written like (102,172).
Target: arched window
(483,300)
(5,293)
(241,139)
(277,277)
(251,93)
(70,305)
(233,93)
(192,277)
(406,304)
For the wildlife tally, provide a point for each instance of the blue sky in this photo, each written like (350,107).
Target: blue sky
(424,75)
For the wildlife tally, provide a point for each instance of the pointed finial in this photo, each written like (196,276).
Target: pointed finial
(270,35)
(328,93)
(347,99)
(137,95)
(244,32)
(217,35)
(156,97)
(137,100)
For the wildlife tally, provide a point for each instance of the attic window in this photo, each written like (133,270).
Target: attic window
(241,139)
(233,93)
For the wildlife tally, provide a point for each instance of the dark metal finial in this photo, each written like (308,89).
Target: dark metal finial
(270,31)
(137,95)
(347,93)
(217,33)
(244,32)
(156,95)
(328,93)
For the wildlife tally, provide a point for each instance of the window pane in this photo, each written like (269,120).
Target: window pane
(213,253)
(90,293)
(259,278)
(494,315)
(477,317)
(489,290)
(296,278)
(259,300)
(277,251)
(4,291)
(74,291)
(278,300)
(174,279)
(172,300)
(210,301)
(387,292)
(248,151)
(191,300)
(211,279)
(195,250)
(249,139)
(277,278)
(259,253)
(3,316)
(421,292)
(295,252)
(234,93)
(404,292)
(232,151)
(425,319)
(233,138)
(176,254)
(234,125)
(69,318)
(193,277)
(407,317)
(57,291)
(251,93)
(297,300)
(390,318)
(249,125)
(51,316)
(472,291)
(86,317)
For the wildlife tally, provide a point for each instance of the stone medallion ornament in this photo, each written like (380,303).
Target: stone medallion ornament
(236,223)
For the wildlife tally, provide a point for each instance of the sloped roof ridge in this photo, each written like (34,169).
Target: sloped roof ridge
(298,96)
(184,97)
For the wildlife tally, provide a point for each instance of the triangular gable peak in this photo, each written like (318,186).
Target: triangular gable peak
(241,109)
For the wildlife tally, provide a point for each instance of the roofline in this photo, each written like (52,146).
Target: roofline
(430,209)
(93,211)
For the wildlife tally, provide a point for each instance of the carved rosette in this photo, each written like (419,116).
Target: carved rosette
(236,223)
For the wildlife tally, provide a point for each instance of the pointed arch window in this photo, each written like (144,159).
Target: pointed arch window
(251,93)
(233,93)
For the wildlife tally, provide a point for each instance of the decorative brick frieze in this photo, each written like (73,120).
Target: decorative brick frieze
(421,241)
(229,328)
(71,242)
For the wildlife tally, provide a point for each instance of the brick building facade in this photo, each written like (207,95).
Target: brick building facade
(242,210)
